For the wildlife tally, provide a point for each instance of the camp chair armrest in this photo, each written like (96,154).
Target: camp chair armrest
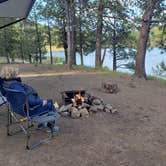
(14,91)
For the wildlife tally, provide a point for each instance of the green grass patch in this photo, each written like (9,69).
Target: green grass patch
(162,80)
(91,69)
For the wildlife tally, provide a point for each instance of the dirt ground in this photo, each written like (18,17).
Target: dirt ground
(135,136)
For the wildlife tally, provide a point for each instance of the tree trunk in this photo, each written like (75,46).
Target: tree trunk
(64,38)
(7,58)
(69,29)
(30,58)
(38,40)
(22,52)
(73,32)
(114,44)
(80,35)
(6,52)
(74,46)
(50,43)
(143,38)
(21,43)
(104,53)
(99,34)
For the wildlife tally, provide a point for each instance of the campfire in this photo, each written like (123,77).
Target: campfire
(79,103)
(78,100)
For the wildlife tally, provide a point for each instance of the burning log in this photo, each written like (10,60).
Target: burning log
(78,99)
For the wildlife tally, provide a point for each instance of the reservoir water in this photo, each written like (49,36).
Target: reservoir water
(153,58)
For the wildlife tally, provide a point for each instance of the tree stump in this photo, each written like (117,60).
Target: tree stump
(110,88)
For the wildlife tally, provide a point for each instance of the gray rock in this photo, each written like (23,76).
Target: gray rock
(85,105)
(84,113)
(100,107)
(113,111)
(75,113)
(65,108)
(62,109)
(65,114)
(107,110)
(108,106)
(96,102)
(69,106)
(93,109)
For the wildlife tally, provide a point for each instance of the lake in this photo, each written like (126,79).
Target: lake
(153,58)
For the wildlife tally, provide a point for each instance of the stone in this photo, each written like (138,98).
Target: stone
(75,113)
(68,107)
(113,111)
(108,106)
(93,109)
(65,108)
(65,114)
(84,113)
(96,102)
(107,110)
(100,107)
(62,109)
(85,105)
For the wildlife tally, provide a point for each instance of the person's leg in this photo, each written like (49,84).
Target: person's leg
(50,110)
(39,110)
(52,127)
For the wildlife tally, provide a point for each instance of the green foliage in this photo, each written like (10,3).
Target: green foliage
(121,22)
(58,60)
(161,80)
(160,69)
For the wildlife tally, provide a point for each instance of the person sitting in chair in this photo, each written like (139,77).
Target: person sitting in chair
(40,106)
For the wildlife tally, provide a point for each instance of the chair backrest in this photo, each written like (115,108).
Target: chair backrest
(17,101)
(6,80)
(2,99)
(1,86)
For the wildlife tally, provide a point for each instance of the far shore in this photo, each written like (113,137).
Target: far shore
(55,49)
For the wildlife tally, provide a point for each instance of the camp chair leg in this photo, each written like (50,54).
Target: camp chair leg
(27,135)
(30,147)
(8,122)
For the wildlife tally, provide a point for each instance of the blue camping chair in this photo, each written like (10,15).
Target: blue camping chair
(19,114)
(3,99)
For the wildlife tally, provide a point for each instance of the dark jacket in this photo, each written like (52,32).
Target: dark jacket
(33,98)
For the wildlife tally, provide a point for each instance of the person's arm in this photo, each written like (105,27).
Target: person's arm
(33,101)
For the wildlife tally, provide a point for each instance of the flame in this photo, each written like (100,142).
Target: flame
(78,99)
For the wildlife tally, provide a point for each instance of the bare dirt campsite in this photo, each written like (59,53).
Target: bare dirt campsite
(135,136)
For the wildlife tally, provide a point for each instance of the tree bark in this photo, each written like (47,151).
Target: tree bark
(73,32)
(50,43)
(99,34)
(38,40)
(143,38)
(104,53)
(64,39)
(30,58)
(6,52)
(114,49)
(80,35)
(21,43)
(69,29)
